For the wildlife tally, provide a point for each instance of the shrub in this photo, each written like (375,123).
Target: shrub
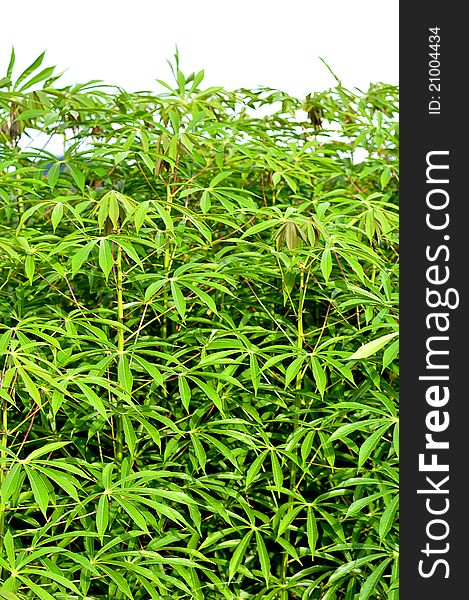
(198,341)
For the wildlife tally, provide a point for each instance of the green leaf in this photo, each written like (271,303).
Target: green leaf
(8,595)
(129,434)
(254,371)
(288,519)
(326,264)
(65,482)
(39,489)
(53,576)
(179,300)
(307,444)
(369,586)
(311,530)
(209,391)
(184,391)
(41,592)
(29,268)
(384,179)
(199,451)
(133,512)
(153,288)
(113,210)
(9,547)
(78,176)
(93,399)
(393,590)
(30,386)
(106,261)
(11,63)
(387,518)
(276,178)
(165,216)
(141,215)
(80,256)
(102,515)
(258,228)
(372,347)
(32,67)
(124,374)
(390,353)
(205,202)
(238,555)
(276,471)
(128,248)
(150,369)
(206,299)
(53,174)
(327,448)
(353,565)
(255,467)
(358,505)
(370,443)
(12,482)
(263,557)
(117,578)
(57,214)
(41,76)
(293,369)
(47,449)
(319,375)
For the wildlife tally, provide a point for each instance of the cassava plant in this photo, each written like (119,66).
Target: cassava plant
(198,343)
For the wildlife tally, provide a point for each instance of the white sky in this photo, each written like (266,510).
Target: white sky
(242,43)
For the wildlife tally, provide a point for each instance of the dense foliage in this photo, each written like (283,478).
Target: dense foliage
(198,342)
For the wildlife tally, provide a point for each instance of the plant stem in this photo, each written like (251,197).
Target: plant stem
(166,265)
(4,443)
(297,403)
(120,350)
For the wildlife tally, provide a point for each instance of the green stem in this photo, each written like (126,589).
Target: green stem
(166,267)
(120,350)
(20,203)
(166,260)
(3,466)
(297,404)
